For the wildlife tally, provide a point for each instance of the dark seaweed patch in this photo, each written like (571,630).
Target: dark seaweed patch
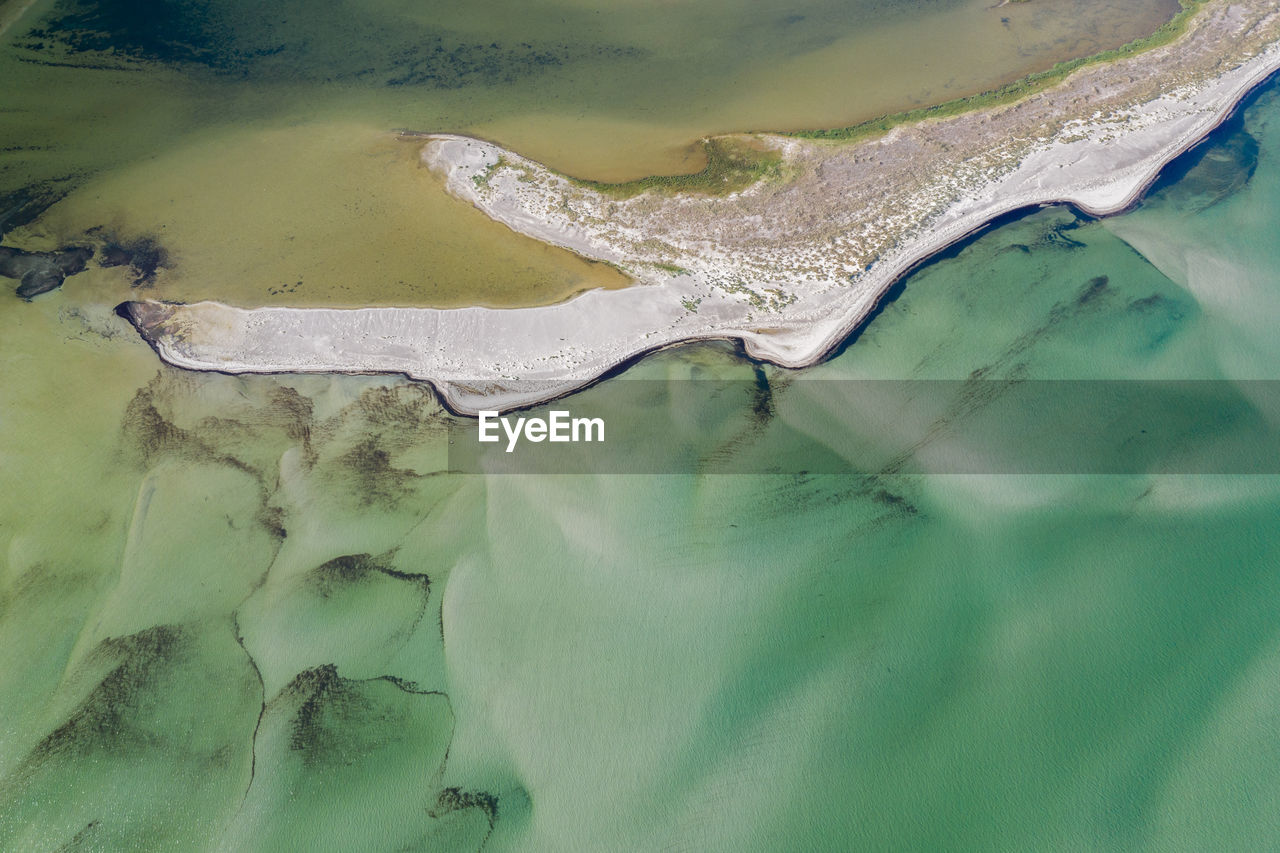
(1159,316)
(452,66)
(106,717)
(293,413)
(151,436)
(272,518)
(1146,303)
(37,281)
(398,407)
(154,435)
(895,502)
(27,583)
(759,411)
(26,205)
(351,569)
(456,799)
(387,419)
(376,480)
(1095,288)
(337,721)
(171,31)
(439,61)
(143,255)
(345,570)
(1056,236)
(313,687)
(762,407)
(1154,302)
(289,40)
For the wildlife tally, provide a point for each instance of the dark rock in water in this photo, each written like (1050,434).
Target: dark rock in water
(151,319)
(40,281)
(73,259)
(40,272)
(144,315)
(37,272)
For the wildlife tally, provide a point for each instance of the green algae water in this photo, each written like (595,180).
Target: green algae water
(257,613)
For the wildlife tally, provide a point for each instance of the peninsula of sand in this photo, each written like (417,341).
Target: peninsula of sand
(789,262)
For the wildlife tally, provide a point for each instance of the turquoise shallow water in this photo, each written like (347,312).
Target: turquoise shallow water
(255,613)
(975,662)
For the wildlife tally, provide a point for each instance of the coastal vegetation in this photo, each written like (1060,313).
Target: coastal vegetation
(670,268)
(734,164)
(482,179)
(815,248)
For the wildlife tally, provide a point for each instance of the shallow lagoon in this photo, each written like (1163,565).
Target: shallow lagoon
(241,612)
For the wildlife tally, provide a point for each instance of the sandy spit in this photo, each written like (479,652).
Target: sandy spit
(789,266)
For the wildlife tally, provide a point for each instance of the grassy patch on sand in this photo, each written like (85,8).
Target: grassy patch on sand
(732,164)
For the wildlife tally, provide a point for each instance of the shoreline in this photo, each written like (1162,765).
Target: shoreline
(780,290)
(1188,143)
